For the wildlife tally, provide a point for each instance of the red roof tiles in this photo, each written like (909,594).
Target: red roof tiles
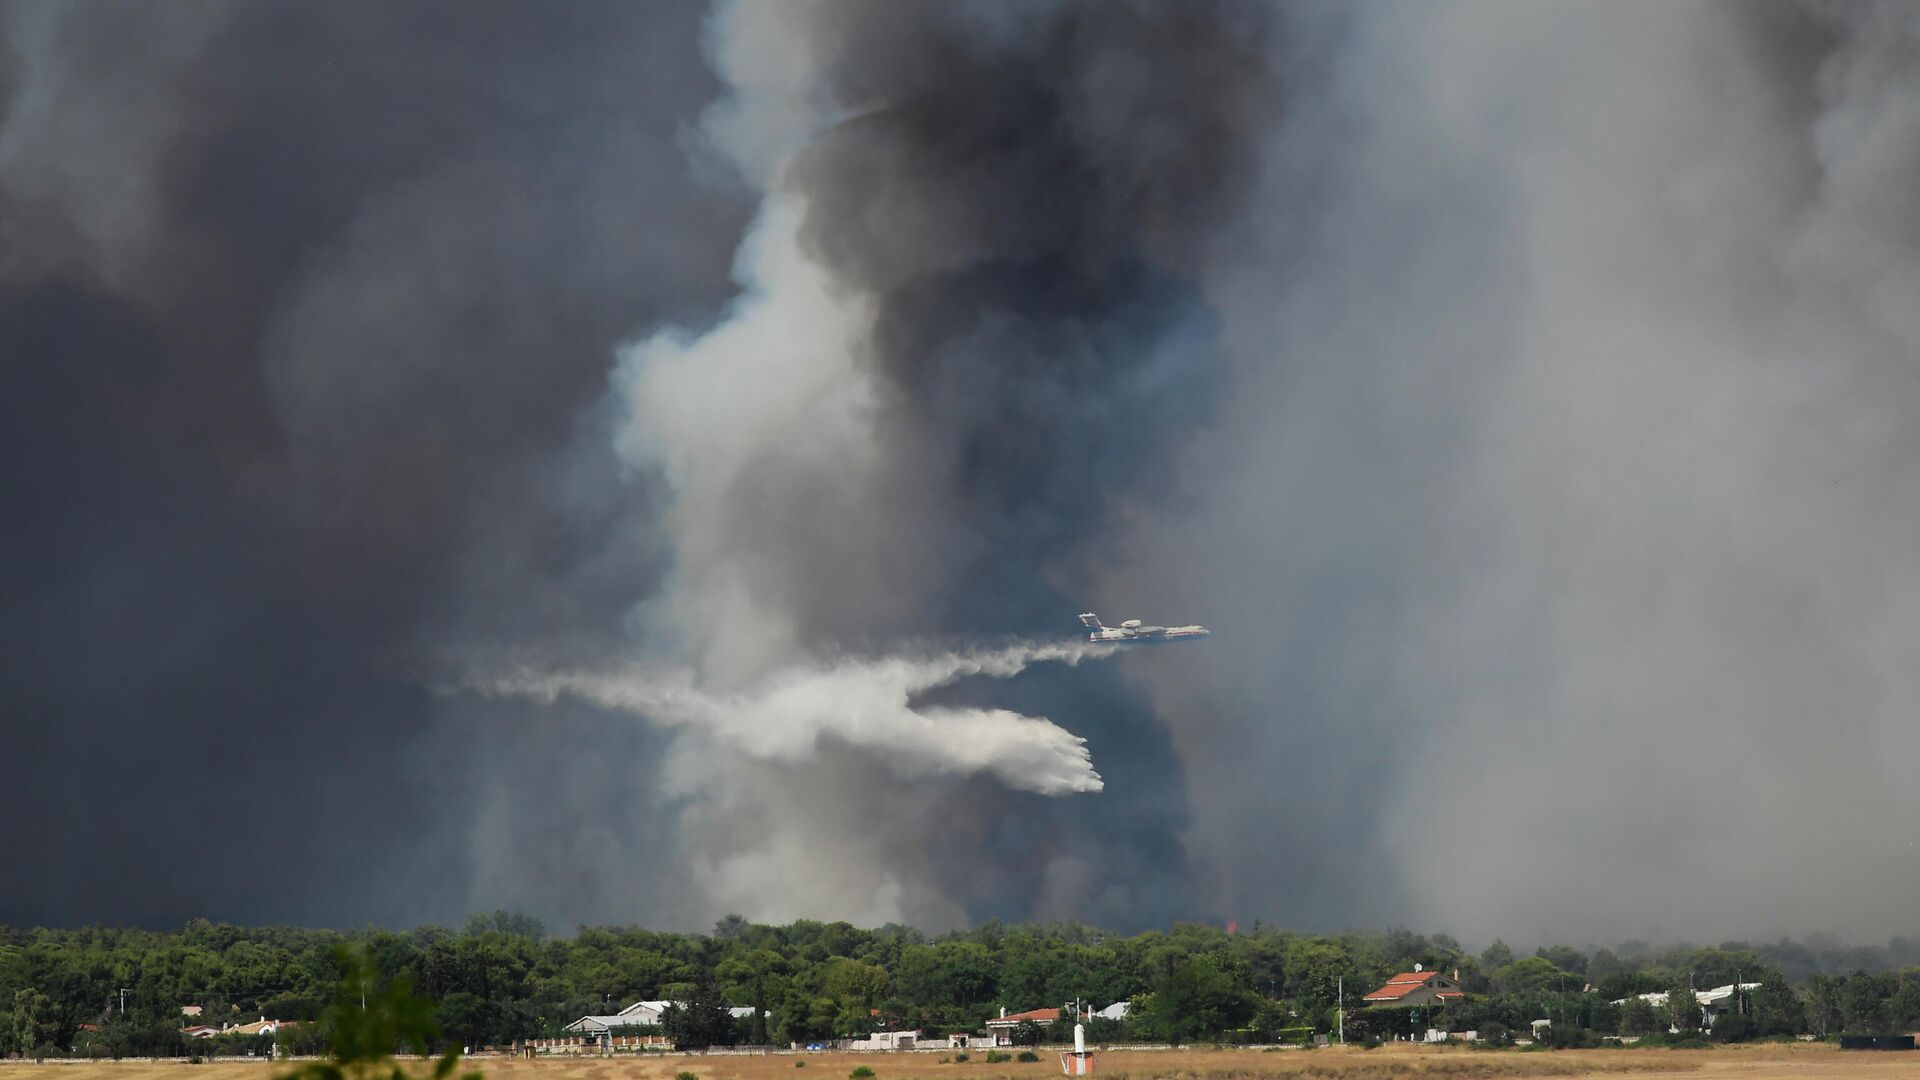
(1408,981)
(1038,1016)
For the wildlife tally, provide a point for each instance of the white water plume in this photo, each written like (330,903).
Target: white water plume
(866,703)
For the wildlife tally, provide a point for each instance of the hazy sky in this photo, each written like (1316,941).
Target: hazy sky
(638,462)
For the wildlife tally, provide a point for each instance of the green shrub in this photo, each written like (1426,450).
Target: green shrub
(1690,1040)
(799,1064)
(1565,1037)
(861,1073)
(995,1057)
(1735,1028)
(961,1056)
(1027,1055)
(685,1076)
(1301,1035)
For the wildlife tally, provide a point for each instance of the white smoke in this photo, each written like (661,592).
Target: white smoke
(796,745)
(771,397)
(786,715)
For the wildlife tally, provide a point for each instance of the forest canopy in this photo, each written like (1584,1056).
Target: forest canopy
(503,978)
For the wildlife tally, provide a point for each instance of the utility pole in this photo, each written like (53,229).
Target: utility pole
(1342,1009)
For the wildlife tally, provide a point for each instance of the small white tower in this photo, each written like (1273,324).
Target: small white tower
(1080,1061)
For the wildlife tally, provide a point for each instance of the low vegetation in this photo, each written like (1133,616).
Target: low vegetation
(502,979)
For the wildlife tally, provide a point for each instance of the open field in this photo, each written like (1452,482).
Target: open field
(1771,1062)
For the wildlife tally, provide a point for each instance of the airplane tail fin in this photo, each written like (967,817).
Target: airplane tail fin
(1091,621)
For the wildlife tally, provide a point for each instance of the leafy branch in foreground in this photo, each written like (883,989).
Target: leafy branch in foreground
(369,1021)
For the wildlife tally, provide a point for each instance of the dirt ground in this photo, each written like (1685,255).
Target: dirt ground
(1333,1063)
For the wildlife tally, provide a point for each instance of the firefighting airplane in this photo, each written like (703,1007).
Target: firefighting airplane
(1132,633)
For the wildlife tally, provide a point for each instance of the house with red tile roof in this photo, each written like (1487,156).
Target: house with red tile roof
(1417,988)
(1002,1028)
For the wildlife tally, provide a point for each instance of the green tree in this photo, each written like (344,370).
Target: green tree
(1563,958)
(854,983)
(466,1017)
(36,1026)
(1313,970)
(1734,1028)
(1903,1008)
(699,1018)
(1863,1002)
(1533,975)
(1729,963)
(369,1020)
(1496,956)
(1823,1005)
(1683,1010)
(1777,1010)
(1604,964)
(1637,1017)
(806,1017)
(1202,996)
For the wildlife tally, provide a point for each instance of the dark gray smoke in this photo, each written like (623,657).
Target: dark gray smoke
(304,313)
(1519,390)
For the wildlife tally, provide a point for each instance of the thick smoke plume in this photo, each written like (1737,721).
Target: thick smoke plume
(1561,513)
(968,324)
(1521,391)
(306,315)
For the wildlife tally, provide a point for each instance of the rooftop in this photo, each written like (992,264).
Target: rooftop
(1038,1016)
(1408,981)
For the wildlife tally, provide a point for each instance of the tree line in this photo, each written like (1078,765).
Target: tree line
(502,978)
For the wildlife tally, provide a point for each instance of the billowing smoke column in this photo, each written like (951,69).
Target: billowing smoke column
(970,325)
(1522,391)
(1571,493)
(305,314)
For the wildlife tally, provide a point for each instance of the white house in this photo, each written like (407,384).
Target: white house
(1714,1003)
(600,1025)
(638,1014)
(1720,1000)
(644,1013)
(885,1040)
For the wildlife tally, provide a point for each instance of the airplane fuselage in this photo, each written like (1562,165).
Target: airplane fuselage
(1132,632)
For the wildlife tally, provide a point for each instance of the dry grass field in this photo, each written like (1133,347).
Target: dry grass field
(1772,1062)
